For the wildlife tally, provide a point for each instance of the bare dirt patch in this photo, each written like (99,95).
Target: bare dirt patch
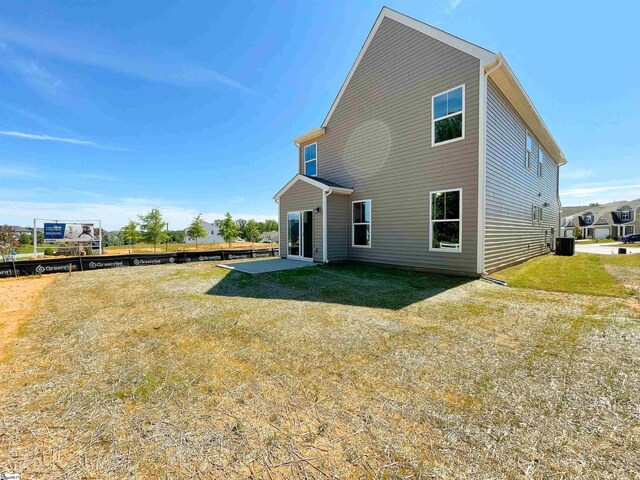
(626,275)
(18,303)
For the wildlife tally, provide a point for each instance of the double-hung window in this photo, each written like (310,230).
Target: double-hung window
(445,222)
(361,224)
(540,161)
(529,152)
(447,122)
(626,215)
(311,160)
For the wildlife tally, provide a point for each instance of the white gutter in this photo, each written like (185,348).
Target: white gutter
(325,194)
(482,163)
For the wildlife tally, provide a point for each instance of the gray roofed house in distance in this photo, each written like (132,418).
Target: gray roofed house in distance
(432,156)
(609,220)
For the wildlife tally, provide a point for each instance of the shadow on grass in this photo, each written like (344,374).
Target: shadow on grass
(344,284)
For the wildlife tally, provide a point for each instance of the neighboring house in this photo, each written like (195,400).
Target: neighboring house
(602,221)
(432,156)
(270,237)
(212,234)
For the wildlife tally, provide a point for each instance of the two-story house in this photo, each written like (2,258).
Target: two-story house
(609,220)
(432,156)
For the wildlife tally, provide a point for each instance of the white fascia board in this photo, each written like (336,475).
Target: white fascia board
(485,56)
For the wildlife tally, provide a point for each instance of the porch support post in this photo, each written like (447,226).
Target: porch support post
(325,194)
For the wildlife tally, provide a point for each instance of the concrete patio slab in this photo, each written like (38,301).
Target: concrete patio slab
(255,267)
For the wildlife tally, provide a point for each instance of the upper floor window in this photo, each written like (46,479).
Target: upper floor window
(361,224)
(311,159)
(446,207)
(540,161)
(529,152)
(626,215)
(588,218)
(447,123)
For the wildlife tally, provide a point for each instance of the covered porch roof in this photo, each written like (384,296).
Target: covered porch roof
(321,183)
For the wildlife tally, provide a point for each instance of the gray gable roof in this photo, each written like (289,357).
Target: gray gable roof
(604,214)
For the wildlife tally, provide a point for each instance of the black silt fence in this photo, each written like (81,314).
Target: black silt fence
(77,264)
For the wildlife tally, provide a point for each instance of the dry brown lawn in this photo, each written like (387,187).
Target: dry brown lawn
(192,371)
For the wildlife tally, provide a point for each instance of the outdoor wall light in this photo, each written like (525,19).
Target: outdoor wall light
(317,210)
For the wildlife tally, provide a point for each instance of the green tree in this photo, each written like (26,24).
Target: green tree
(577,232)
(112,239)
(227,228)
(153,227)
(196,230)
(8,242)
(24,239)
(130,234)
(270,226)
(242,223)
(176,236)
(252,231)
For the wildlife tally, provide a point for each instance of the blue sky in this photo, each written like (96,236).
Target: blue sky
(108,109)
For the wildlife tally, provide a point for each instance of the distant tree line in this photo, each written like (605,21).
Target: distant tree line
(152,228)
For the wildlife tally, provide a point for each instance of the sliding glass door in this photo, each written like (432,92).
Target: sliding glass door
(293,229)
(300,235)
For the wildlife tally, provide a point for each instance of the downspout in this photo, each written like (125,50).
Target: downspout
(482,163)
(324,225)
(279,230)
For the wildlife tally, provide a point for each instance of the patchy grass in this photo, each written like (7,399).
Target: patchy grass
(193,371)
(584,273)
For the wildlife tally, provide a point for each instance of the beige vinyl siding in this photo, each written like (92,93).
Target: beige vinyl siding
(301,196)
(510,234)
(337,227)
(378,141)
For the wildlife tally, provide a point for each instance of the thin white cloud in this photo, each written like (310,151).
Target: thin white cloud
(577,174)
(95,176)
(237,199)
(6,172)
(113,215)
(49,138)
(37,77)
(453,4)
(589,191)
(94,53)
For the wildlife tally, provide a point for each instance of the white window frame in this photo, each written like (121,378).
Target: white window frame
(528,152)
(432,221)
(433,120)
(540,161)
(627,214)
(353,224)
(534,213)
(304,161)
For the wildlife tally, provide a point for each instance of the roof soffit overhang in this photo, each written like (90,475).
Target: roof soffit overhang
(312,134)
(500,72)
